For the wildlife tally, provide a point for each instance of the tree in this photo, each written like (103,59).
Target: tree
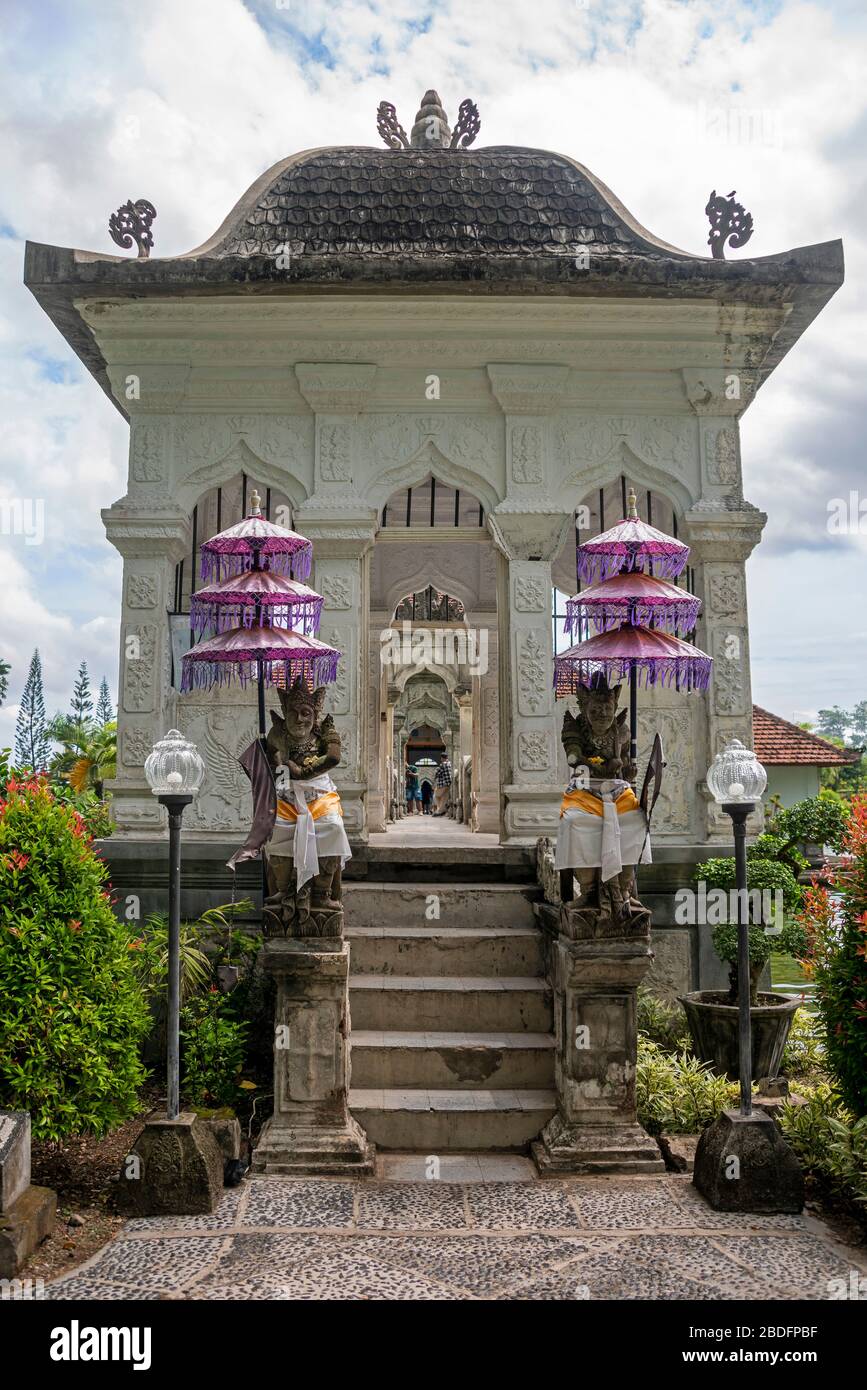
(833,723)
(5,668)
(82,700)
(32,744)
(858,722)
(104,707)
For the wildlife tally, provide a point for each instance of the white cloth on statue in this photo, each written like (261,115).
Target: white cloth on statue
(323,837)
(611,841)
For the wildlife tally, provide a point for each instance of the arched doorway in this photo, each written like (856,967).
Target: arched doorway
(433,625)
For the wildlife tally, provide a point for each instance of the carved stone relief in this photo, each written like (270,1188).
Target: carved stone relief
(526,444)
(336,589)
(139,671)
(221,732)
(726,593)
(675,728)
(335,445)
(148,453)
(136,744)
(534,751)
(529,594)
(729,685)
(532,673)
(141,591)
(721,453)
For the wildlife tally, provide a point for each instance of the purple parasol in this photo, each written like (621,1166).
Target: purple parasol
(253,540)
(634,652)
(631,545)
(634,598)
(257,597)
(270,655)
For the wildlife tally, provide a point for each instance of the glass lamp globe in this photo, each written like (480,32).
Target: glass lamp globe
(736,776)
(173,767)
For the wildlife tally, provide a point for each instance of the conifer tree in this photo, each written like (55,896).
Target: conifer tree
(82,700)
(104,707)
(32,744)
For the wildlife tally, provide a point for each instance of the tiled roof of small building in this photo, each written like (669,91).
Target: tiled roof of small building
(498,200)
(779,743)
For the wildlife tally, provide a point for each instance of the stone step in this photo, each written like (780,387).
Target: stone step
(430,1121)
(457,904)
(436,950)
(473,1004)
(452,1060)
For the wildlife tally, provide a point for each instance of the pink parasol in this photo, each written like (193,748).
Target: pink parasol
(253,540)
(271,655)
(631,545)
(256,597)
(634,598)
(634,652)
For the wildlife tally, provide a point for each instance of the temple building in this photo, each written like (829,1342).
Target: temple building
(445,365)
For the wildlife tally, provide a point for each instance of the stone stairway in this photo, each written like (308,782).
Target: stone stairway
(452,1045)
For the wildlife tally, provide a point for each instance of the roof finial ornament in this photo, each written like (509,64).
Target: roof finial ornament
(132,222)
(390,127)
(729,221)
(431,128)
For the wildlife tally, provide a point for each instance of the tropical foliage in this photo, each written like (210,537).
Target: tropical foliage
(73,1013)
(834,919)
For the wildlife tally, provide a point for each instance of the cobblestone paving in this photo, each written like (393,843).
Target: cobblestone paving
(571,1239)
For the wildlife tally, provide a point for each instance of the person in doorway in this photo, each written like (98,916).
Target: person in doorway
(413,791)
(426,797)
(443,779)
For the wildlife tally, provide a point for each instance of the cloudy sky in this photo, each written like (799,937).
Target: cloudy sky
(186,102)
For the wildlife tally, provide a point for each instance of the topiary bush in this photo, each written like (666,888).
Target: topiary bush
(792,940)
(72,1014)
(835,921)
(819,820)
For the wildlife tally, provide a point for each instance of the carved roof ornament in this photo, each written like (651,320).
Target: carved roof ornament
(132,223)
(729,221)
(431,129)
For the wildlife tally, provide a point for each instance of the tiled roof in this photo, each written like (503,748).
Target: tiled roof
(777,742)
(500,200)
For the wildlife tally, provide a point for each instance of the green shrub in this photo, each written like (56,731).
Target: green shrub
(820,820)
(804,1055)
(664,1024)
(72,1014)
(678,1094)
(792,941)
(829,1141)
(762,874)
(213,1049)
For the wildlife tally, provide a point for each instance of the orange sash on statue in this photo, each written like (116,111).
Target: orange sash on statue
(324,805)
(585,801)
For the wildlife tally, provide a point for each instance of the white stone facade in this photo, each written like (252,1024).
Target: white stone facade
(328,401)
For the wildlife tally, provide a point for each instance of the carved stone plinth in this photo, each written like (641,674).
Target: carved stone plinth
(594,976)
(174,1168)
(311,1130)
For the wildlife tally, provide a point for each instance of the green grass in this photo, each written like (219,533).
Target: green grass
(787,975)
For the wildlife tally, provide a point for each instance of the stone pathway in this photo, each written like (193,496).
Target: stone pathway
(520,1239)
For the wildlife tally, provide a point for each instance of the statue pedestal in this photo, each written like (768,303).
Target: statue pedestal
(595,974)
(311,1131)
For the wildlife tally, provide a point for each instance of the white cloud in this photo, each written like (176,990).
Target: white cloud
(187,104)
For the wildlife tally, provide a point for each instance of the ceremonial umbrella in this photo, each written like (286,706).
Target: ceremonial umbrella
(633,598)
(636,652)
(253,540)
(257,555)
(258,596)
(632,544)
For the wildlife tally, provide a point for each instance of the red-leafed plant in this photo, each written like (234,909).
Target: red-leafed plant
(834,915)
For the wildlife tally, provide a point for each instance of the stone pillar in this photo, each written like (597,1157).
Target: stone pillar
(151,546)
(341,526)
(528,723)
(594,980)
(723,530)
(311,1130)
(400,737)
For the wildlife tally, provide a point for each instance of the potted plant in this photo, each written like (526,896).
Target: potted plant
(713,1015)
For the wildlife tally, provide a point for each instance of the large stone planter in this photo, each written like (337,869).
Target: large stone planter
(713,1024)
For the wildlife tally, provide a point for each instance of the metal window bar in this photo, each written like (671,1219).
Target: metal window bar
(193,550)
(457,506)
(385,515)
(409,506)
(243,495)
(433,495)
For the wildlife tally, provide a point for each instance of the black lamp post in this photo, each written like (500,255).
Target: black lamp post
(174,771)
(742,1162)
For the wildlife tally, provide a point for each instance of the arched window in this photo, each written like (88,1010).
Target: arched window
(216,509)
(429,605)
(432,503)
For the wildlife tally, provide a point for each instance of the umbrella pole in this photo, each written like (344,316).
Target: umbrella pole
(633,715)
